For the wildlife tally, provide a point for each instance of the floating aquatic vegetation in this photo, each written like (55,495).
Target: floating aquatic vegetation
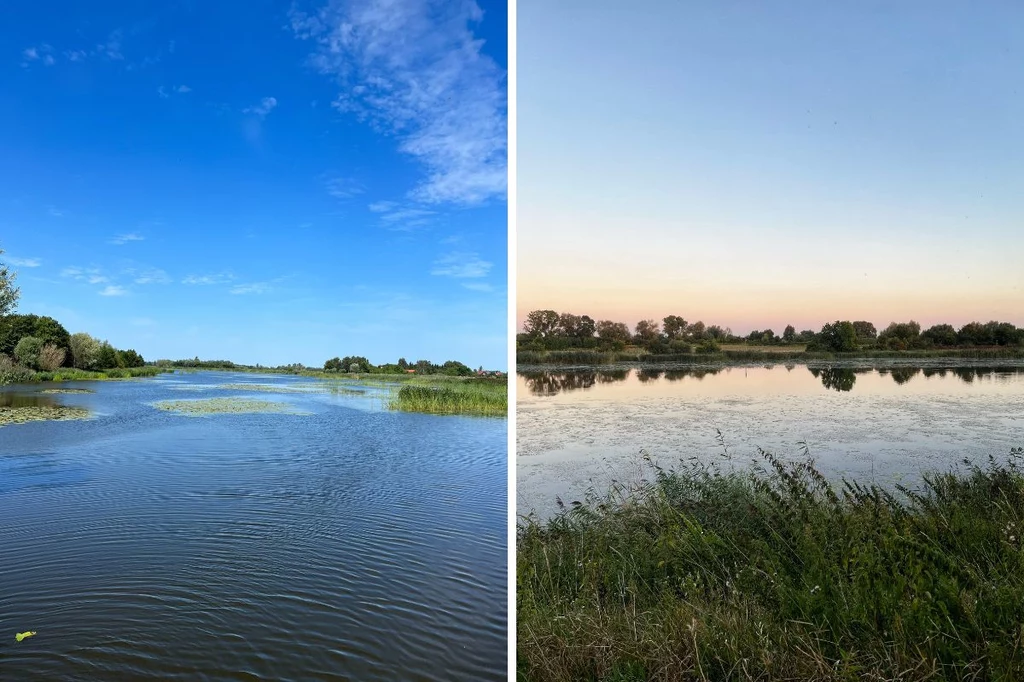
(67,390)
(21,409)
(198,408)
(264,388)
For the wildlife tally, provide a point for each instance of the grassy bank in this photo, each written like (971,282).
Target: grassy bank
(738,354)
(21,375)
(481,397)
(778,575)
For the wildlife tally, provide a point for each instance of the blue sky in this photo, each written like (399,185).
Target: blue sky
(265,182)
(755,164)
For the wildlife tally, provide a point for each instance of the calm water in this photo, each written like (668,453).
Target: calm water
(346,543)
(582,430)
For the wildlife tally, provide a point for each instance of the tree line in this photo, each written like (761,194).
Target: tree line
(43,344)
(359,365)
(551,330)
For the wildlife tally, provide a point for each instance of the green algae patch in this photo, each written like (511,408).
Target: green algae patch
(201,408)
(67,390)
(39,413)
(260,388)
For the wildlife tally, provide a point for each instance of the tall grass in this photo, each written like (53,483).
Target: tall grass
(470,397)
(777,574)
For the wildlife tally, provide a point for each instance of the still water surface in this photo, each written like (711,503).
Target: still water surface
(883,422)
(344,542)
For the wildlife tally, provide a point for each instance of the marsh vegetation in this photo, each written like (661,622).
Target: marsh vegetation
(708,573)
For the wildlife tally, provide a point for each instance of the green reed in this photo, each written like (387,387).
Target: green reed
(778,574)
(469,397)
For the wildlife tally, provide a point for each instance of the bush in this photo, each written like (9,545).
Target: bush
(27,351)
(51,357)
(11,373)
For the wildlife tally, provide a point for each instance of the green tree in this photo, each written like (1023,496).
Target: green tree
(542,323)
(838,337)
(695,331)
(27,351)
(85,350)
(9,293)
(612,333)
(940,335)
(674,327)
(647,332)
(333,365)
(864,330)
(107,356)
(132,358)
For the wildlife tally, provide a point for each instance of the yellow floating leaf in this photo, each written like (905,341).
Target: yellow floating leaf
(22,635)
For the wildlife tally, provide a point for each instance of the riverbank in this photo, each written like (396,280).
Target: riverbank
(777,574)
(736,355)
(21,375)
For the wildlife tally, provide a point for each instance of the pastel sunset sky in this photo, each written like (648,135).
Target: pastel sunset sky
(761,164)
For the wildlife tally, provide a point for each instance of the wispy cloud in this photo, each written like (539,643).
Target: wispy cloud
(55,212)
(461,266)
(76,55)
(478,286)
(265,106)
(89,275)
(149,276)
(42,53)
(254,288)
(166,92)
(402,217)
(413,68)
(113,290)
(25,262)
(125,238)
(343,188)
(222,278)
(111,47)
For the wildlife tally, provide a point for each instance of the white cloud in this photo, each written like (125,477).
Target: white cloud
(30,53)
(478,286)
(162,91)
(48,60)
(150,276)
(75,55)
(113,290)
(25,262)
(382,206)
(182,89)
(223,278)
(254,288)
(413,68)
(111,49)
(90,275)
(265,106)
(55,212)
(343,188)
(125,238)
(461,266)
(399,217)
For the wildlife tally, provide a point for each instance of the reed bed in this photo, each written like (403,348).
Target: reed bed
(487,398)
(778,574)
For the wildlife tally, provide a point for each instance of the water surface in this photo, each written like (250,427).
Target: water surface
(581,430)
(341,541)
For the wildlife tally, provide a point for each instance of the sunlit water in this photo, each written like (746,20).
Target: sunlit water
(581,431)
(349,542)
